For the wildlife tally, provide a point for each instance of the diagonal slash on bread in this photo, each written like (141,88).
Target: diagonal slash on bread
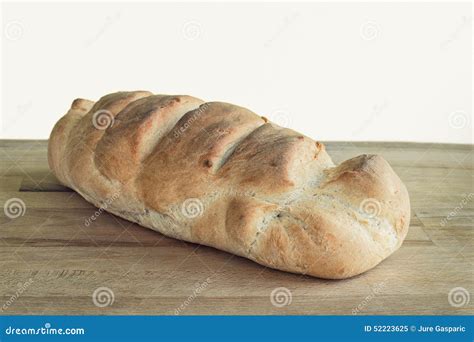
(219,175)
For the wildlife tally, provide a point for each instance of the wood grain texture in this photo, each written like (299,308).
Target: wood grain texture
(51,261)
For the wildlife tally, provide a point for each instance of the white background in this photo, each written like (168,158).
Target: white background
(334,71)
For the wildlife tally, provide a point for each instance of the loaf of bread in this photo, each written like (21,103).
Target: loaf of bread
(217,174)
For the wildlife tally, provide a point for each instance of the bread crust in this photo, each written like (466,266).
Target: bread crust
(219,175)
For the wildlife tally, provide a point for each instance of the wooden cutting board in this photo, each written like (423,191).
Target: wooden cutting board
(51,262)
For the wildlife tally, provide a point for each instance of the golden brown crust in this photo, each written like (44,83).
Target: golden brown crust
(222,176)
